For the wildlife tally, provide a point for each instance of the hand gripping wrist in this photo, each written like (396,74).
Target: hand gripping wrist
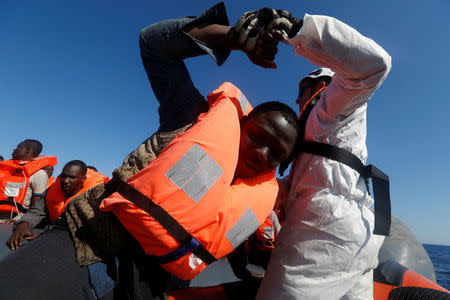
(286,23)
(250,25)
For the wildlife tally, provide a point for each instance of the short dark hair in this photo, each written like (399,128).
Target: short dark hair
(1,158)
(34,145)
(291,117)
(92,168)
(79,163)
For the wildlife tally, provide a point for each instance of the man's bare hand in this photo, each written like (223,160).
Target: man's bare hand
(8,221)
(22,231)
(256,275)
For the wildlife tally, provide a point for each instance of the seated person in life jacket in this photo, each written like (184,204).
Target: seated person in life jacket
(49,170)
(74,179)
(22,179)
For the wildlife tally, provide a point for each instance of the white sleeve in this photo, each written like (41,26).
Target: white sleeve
(38,182)
(360,64)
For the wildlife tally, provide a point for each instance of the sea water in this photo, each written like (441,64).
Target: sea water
(440,256)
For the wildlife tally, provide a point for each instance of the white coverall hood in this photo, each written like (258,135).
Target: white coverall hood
(320,72)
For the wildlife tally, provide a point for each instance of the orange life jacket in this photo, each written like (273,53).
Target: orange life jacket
(56,200)
(267,233)
(14,179)
(190,184)
(51,180)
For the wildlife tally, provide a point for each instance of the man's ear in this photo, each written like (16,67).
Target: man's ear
(321,84)
(84,178)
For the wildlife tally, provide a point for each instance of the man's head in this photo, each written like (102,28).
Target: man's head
(1,158)
(72,177)
(311,84)
(268,137)
(92,168)
(49,170)
(27,150)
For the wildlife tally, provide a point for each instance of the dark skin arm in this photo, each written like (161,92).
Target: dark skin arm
(221,36)
(22,231)
(33,200)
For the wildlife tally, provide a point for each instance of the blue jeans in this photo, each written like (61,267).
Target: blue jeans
(163,46)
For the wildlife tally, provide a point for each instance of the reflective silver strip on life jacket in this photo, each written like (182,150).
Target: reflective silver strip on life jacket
(275,222)
(195,172)
(243,228)
(269,233)
(12,189)
(243,102)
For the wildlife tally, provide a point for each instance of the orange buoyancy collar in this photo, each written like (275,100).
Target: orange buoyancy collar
(191,184)
(56,200)
(51,180)
(14,179)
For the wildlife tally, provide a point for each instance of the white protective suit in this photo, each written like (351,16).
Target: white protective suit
(326,248)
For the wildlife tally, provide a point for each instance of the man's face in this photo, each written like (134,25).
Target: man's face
(305,92)
(71,180)
(267,139)
(21,152)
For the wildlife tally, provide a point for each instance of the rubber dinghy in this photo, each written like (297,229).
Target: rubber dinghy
(405,271)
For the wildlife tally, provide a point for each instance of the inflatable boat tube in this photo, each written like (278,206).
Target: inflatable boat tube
(405,271)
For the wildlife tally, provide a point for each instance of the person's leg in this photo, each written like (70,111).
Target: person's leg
(45,268)
(164,46)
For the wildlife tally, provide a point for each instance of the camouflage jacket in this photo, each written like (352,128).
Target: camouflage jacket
(99,236)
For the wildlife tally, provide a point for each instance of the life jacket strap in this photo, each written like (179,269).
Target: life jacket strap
(380,181)
(179,233)
(178,253)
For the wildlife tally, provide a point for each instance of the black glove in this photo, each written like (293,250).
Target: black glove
(250,25)
(286,23)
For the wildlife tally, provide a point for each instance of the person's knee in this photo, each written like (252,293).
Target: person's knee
(151,35)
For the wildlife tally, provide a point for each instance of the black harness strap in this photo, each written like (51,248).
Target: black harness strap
(165,219)
(380,181)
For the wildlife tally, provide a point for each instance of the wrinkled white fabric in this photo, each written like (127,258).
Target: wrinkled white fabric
(326,248)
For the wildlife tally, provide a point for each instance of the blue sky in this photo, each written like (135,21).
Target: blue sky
(71,77)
